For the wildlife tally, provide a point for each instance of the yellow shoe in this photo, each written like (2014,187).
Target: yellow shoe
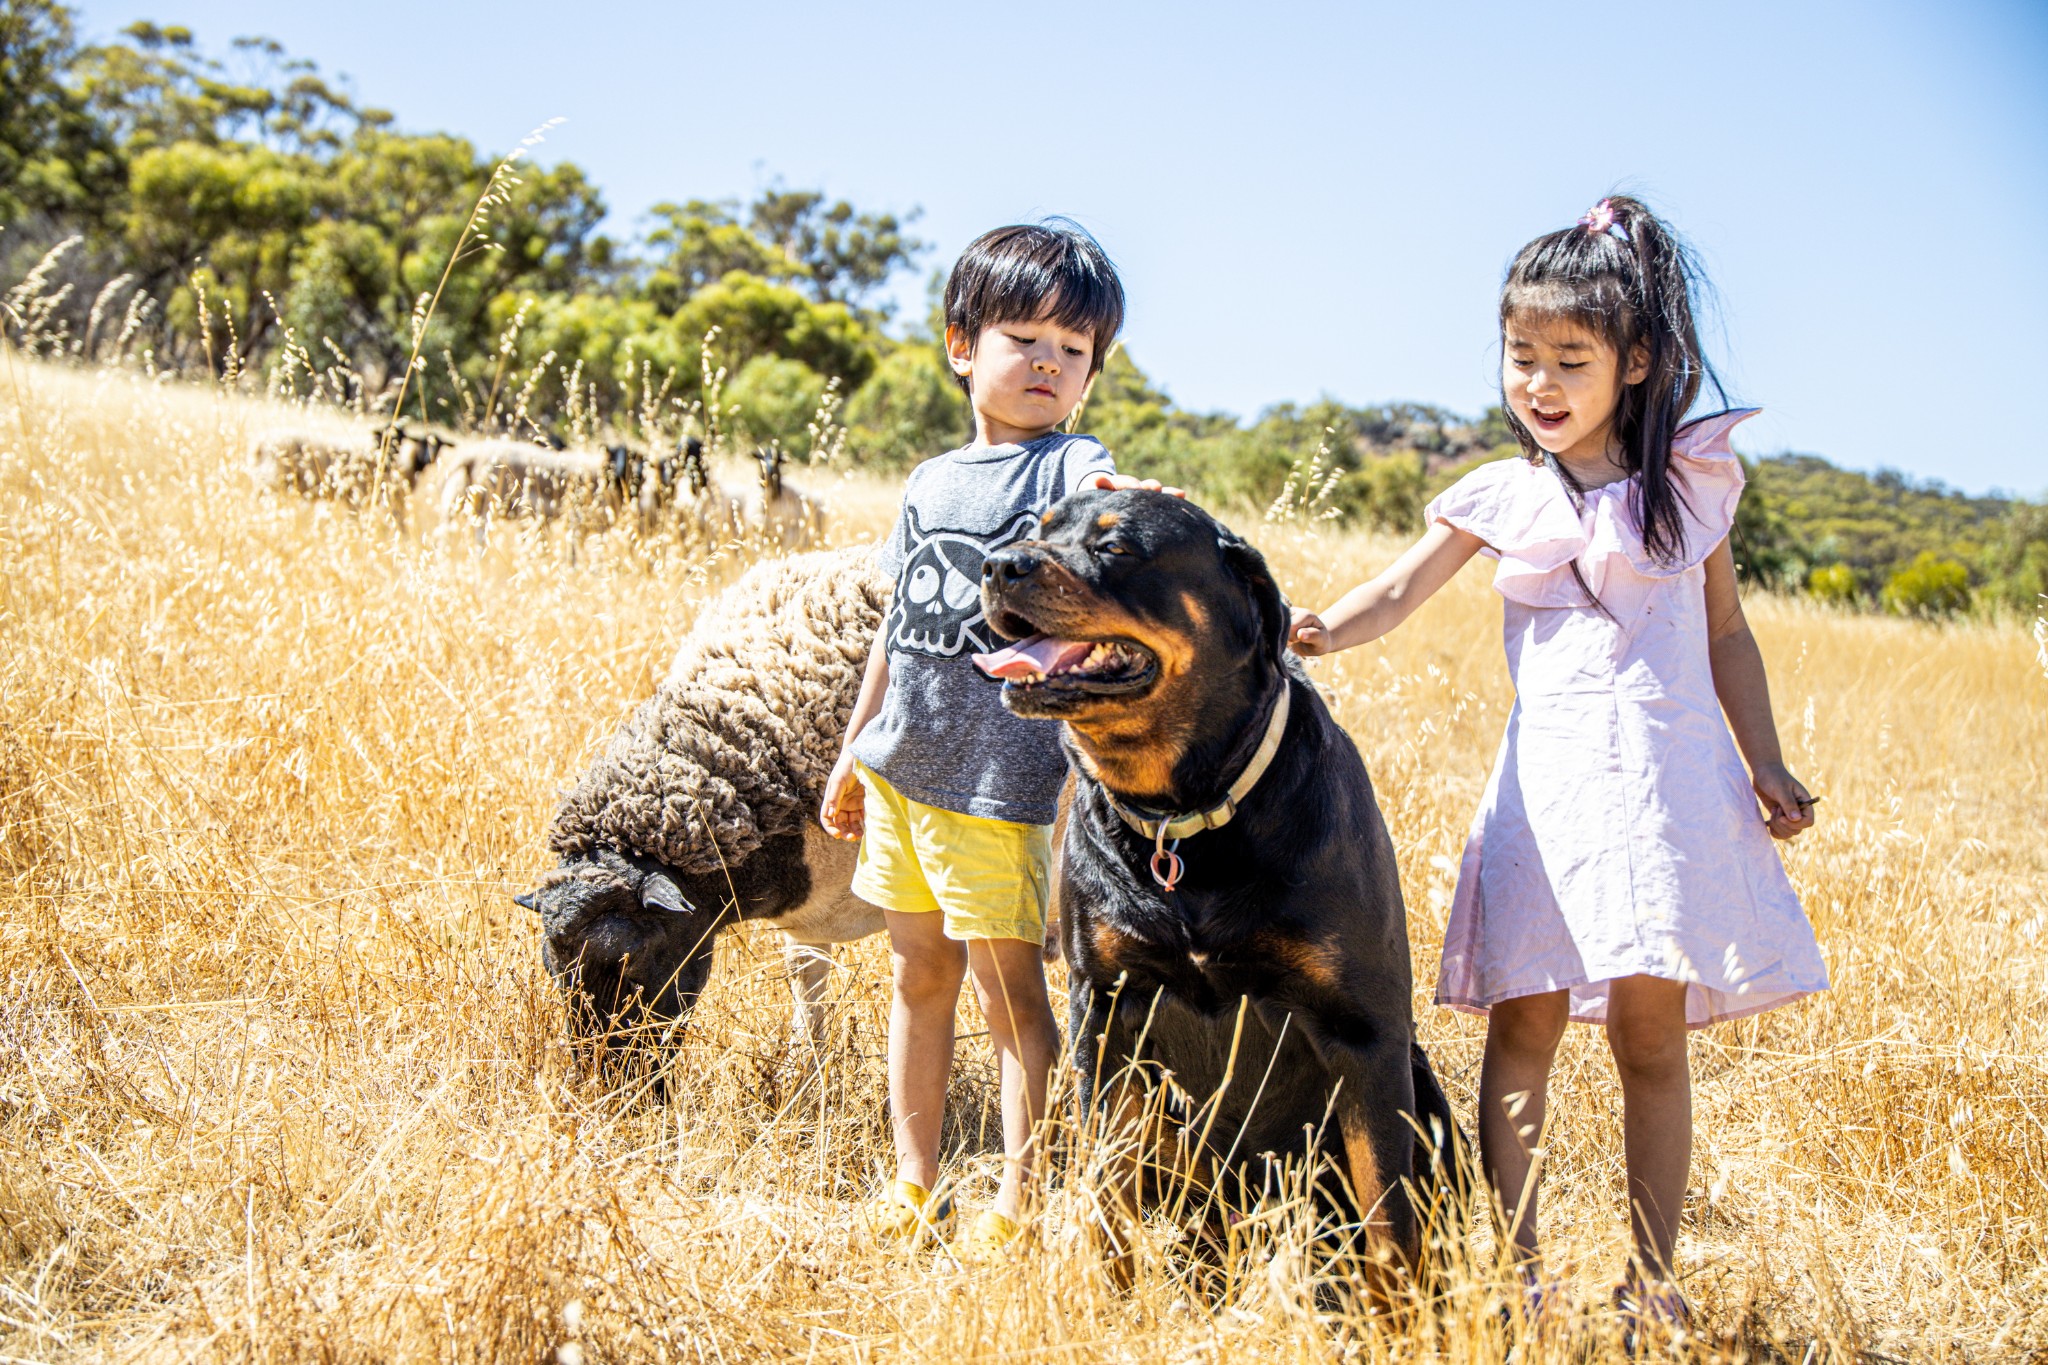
(908,1212)
(991,1234)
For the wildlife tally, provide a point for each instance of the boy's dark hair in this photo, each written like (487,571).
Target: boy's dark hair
(1029,271)
(1626,277)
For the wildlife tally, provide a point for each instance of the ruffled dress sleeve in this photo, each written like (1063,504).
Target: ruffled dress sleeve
(1529,524)
(1710,481)
(1522,513)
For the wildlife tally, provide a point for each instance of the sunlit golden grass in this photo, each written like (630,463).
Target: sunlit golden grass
(281,1077)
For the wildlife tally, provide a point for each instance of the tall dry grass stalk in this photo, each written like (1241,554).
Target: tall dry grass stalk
(280,1076)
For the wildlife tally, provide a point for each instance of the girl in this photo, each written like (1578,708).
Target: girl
(1618,871)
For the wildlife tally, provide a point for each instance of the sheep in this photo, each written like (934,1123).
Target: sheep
(780,511)
(507,476)
(702,810)
(348,467)
(677,491)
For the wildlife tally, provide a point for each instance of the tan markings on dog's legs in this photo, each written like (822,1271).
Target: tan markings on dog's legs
(1321,965)
(1385,1257)
(1121,1138)
(1109,946)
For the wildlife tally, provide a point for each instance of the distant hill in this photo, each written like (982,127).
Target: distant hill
(1806,525)
(1871,521)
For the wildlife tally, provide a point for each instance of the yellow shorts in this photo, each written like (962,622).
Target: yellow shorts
(991,878)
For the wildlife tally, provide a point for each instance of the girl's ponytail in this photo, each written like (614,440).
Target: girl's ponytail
(1622,274)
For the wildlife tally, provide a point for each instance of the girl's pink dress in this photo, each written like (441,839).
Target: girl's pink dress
(1618,835)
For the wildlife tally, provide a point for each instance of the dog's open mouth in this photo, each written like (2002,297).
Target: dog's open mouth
(1048,663)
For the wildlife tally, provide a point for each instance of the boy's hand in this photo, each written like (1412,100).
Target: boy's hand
(1116,483)
(843,812)
(1307,635)
(1788,806)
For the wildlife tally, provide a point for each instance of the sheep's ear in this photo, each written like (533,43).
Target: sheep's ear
(658,891)
(528,901)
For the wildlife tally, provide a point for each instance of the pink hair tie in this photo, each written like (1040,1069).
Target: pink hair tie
(1600,218)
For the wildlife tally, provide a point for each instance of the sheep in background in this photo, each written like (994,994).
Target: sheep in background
(702,812)
(504,477)
(346,466)
(778,509)
(678,491)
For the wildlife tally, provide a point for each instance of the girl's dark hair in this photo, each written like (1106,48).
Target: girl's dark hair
(1029,271)
(1632,283)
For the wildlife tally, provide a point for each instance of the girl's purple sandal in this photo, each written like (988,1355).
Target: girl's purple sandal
(1652,1313)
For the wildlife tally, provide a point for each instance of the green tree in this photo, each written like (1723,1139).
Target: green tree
(1123,405)
(601,339)
(55,158)
(158,88)
(1392,491)
(243,209)
(845,254)
(756,317)
(700,242)
(2015,562)
(909,410)
(1769,550)
(776,398)
(1929,586)
(1835,584)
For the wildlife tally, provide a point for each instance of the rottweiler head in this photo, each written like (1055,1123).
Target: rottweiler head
(1137,615)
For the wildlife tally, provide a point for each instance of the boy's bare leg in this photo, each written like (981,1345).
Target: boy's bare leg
(1646,1030)
(1521,1042)
(1010,979)
(927,968)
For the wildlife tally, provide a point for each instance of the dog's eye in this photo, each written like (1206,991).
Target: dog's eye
(1113,547)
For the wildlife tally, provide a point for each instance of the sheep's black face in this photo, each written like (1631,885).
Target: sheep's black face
(631,943)
(631,939)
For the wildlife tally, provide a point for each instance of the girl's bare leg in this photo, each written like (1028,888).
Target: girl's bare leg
(927,968)
(1646,1030)
(1010,979)
(1521,1041)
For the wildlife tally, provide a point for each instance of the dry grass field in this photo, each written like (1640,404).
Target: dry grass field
(281,1077)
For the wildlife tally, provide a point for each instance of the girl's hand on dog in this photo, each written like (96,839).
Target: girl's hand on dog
(1788,805)
(1115,483)
(1307,635)
(843,812)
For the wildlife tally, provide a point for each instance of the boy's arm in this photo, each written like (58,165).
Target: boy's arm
(1745,695)
(1106,479)
(1099,472)
(1375,607)
(842,812)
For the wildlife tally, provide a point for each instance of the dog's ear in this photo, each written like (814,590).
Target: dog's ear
(1249,565)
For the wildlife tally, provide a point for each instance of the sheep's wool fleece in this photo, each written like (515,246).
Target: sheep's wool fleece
(734,747)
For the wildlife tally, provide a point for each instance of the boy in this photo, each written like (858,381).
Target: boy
(952,797)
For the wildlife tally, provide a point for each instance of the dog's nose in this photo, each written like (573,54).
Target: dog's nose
(1007,566)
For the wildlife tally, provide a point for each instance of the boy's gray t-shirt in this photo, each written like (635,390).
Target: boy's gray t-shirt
(942,737)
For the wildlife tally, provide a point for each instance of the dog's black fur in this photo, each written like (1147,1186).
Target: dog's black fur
(1294,906)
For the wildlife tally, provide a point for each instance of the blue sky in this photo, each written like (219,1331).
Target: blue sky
(1320,198)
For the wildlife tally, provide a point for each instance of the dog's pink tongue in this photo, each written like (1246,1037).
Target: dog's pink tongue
(1039,654)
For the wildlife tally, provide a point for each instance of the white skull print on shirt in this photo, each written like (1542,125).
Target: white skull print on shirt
(937,609)
(942,737)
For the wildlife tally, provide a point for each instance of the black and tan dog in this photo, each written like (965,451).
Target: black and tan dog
(1258,947)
